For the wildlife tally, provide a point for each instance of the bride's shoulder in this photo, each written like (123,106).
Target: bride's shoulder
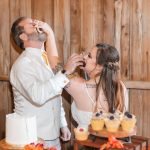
(77,78)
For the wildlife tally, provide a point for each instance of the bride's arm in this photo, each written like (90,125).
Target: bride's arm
(50,44)
(52,50)
(73,87)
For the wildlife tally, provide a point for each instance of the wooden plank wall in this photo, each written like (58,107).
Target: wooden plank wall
(79,24)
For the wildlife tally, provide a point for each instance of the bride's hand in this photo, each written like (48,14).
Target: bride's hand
(43,27)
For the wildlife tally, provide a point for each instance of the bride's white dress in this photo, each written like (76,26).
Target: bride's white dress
(83,118)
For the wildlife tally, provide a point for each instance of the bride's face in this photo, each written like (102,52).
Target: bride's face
(90,60)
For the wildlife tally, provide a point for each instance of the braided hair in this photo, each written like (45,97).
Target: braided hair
(108,57)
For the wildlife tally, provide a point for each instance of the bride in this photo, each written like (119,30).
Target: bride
(104,91)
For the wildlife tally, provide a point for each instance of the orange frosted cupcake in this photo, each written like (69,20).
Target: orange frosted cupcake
(112,123)
(81,134)
(97,121)
(128,122)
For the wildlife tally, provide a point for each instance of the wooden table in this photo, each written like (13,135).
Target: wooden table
(5,146)
(137,143)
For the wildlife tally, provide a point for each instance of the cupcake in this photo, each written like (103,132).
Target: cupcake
(112,123)
(97,121)
(128,122)
(81,134)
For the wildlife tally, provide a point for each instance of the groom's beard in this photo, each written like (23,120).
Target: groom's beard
(37,37)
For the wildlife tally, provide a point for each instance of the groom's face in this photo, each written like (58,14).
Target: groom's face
(31,31)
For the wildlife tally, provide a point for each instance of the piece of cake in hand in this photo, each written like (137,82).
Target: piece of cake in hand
(81,133)
(97,122)
(112,123)
(128,122)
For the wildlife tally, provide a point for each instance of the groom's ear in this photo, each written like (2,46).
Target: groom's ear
(23,37)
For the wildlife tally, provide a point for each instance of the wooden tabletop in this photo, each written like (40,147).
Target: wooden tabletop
(6,146)
(137,142)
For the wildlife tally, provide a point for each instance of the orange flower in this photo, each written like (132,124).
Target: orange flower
(52,148)
(112,143)
(38,146)
(32,146)
(29,147)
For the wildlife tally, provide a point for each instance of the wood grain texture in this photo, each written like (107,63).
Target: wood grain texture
(138,69)
(4,78)
(146,65)
(139,105)
(17,9)
(98,23)
(143,85)
(118,18)
(78,25)
(4,34)
(5,92)
(145,43)
(146,113)
(87,21)
(43,10)
(136,35)
(6,105)
(138,142)
(62,27)
(125,40)
(5,146)
(75,26)
(91,23)
(109,22)
(136,107)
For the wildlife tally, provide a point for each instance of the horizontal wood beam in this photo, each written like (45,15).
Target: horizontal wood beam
(4,78)
(144,85)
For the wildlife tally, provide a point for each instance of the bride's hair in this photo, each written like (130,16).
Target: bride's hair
(108,57)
